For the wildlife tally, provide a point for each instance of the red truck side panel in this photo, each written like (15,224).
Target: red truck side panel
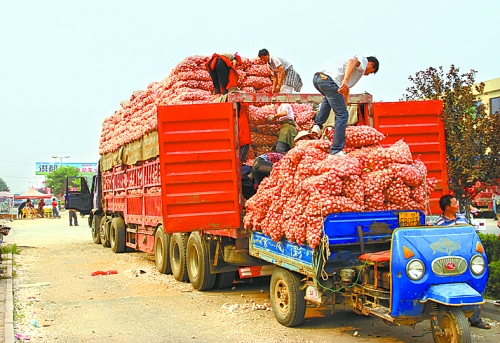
(419,124)
(199,167)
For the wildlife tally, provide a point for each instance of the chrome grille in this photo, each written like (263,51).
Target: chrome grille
(449,266)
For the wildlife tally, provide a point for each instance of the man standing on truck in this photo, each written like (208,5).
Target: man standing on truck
(285,78)
(222,70)
(333,80)
(450,216)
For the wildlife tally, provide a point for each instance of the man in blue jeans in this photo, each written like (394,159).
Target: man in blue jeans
(334,80)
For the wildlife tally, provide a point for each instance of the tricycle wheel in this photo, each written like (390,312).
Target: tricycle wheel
(453,326)
(162,244)
(287,299)
(177,253)
(96,229)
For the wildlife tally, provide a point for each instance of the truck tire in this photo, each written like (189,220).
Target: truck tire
(161,249)
(117,235)
(198,263)
(96,229)
(177,254)
(287,299)
(104,230)
(224,280)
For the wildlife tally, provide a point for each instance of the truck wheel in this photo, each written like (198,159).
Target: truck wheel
(96,229)
(104,230)
(177,253)
(117,235)
(453,326)
(224,280)
(198,263)
(287,299)
(162,245)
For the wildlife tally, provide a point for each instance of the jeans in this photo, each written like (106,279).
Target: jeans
(333,101)
(73,217)
(476,317)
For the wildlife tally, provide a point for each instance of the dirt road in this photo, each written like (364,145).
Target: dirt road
(54,290)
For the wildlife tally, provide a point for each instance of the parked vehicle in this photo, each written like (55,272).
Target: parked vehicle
(182,201)
(4,228)
(484,201)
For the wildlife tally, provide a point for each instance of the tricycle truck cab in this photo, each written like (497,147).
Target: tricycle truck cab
(385,264)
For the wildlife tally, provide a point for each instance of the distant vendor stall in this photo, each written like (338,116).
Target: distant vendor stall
(6,203)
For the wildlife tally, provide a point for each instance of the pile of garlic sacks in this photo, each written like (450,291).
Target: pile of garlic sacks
(188,83)
(308,184)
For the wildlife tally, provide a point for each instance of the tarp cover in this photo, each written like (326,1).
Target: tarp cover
(32,193)
(141,149)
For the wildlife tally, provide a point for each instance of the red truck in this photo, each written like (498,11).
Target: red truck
(177,192)
(483,201)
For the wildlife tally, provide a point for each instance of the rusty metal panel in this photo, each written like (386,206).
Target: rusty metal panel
(292,98)
(420,125)
(199,167)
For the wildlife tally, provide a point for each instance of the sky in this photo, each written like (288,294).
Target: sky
(66,65)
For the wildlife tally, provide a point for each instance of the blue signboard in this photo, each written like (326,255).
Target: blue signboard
(45,168)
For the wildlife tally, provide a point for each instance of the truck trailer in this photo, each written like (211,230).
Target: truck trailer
(177,193)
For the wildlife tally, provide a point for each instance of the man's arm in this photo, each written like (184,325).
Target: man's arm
(275,80)
(352,64)
(281,78)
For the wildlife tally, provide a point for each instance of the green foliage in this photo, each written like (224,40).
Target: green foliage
(57,180)
(472,139)
(491,244)
(10,248)
(493,286)
(3,186)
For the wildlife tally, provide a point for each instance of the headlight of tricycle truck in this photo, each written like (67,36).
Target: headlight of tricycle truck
(477,265)
(415,270)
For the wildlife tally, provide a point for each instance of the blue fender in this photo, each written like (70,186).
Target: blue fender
(455,294)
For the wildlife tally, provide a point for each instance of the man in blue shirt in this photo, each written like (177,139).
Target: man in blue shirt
(450,216)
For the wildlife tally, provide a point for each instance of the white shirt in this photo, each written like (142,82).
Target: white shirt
(289,112)
(275,62)
(335,68)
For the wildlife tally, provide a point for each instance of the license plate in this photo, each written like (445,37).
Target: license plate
(409,218)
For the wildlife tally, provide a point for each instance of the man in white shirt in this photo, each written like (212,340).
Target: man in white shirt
(288,130)
(334,80)
(285,78)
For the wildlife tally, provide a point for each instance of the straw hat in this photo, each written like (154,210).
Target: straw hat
(303,134)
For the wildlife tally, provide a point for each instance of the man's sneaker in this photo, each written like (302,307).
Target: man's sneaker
(316,130)
(339,154)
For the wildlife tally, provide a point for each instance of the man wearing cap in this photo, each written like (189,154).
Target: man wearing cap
(285,78)
(333,80)
(222,70)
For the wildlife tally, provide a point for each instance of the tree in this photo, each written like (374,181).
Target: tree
(57,180)
(3,186)
(472,135)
